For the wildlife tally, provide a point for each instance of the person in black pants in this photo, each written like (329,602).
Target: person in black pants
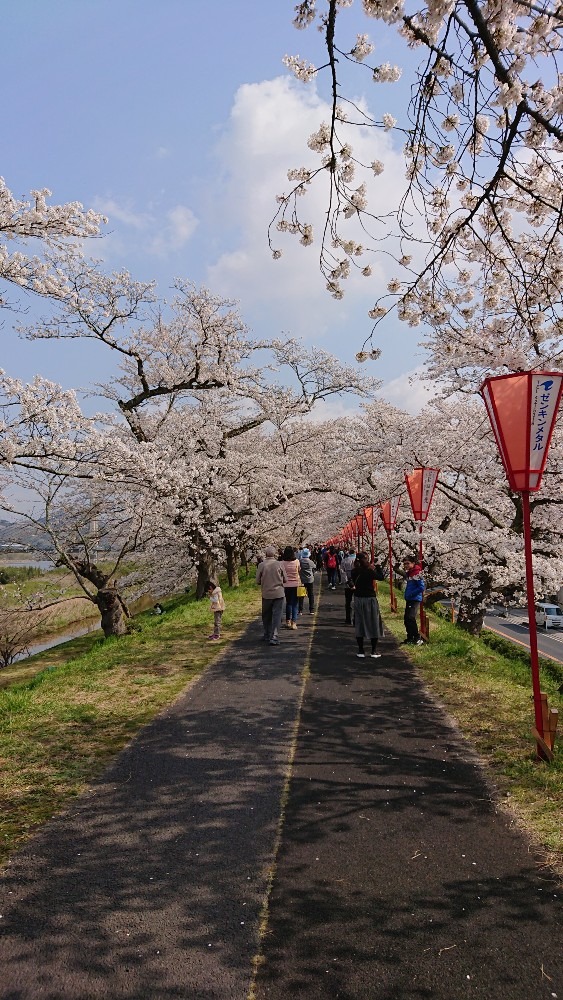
(367,619)
(307,575)
(348,564)
(413,594)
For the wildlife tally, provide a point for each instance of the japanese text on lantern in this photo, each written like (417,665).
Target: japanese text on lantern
(544,399)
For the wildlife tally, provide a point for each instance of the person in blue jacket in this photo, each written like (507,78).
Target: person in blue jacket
(413,594)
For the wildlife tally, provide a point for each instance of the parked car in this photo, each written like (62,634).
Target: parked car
(549,615)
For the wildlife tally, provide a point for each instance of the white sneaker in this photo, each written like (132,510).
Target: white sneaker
(375,656)
(419,642)
(361,656)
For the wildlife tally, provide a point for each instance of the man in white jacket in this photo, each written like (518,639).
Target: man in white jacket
(272,578)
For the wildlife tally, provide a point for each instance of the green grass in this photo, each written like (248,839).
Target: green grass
(85,700)
(67,711)
(485,683)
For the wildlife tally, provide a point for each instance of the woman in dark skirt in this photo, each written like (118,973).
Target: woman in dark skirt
(367,618)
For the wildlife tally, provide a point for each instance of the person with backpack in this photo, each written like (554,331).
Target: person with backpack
(331,563)
(307,573)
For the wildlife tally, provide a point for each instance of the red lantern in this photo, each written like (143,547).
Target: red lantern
(523,409)
(421,484)
(389,513)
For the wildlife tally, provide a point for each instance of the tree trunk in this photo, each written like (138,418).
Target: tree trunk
(472,606)
(205,571)
(112,610)
(244,560)
(233,562)
(108,600)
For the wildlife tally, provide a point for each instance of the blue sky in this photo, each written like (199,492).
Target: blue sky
(179,121)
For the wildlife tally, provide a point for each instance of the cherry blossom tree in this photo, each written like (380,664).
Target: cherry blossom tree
(55,230)
(90,527)
(192,383)
(473,538)
(482,143)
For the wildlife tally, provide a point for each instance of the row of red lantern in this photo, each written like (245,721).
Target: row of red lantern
(421,484)
(522,408)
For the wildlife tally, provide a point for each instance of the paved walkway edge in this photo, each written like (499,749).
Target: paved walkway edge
(265,912)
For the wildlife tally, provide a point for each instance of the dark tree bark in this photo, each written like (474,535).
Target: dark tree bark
(205,571)
(472,607)
(108,600)
(233,562)
(244,561)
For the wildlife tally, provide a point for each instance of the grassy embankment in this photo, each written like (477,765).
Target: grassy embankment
(486,686)
(70,709)
(88,698)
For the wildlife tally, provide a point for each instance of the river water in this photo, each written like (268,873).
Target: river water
(141,604)
(42,564)
(61,637)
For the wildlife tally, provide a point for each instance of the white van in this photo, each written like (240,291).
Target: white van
(549,615)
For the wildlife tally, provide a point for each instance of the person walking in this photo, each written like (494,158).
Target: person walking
(367,619)
(413,594)
(307,573)
(271,577)
(348,564)
(215,594)
(291,567)
(339,573)
(331,563)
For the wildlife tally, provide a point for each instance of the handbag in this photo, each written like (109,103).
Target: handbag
(301,591)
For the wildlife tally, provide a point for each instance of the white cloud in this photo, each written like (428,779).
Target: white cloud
(165,234)
(267,134)
(180,225)
(334,408)
(409,392)
(122,213)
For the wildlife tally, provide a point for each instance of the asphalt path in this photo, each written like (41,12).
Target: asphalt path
(152,885)
(396,875)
